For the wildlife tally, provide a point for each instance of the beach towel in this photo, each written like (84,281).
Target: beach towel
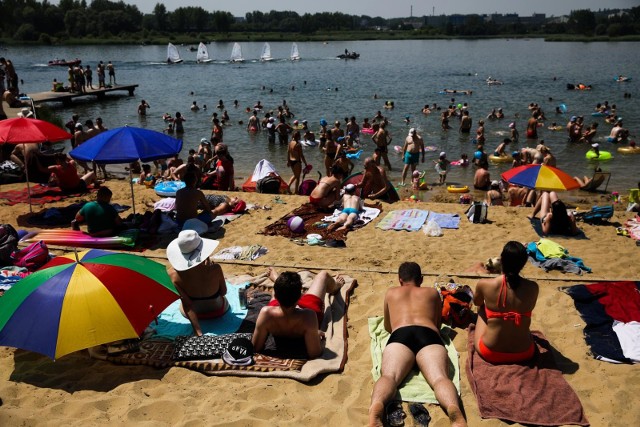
(633,227)
(158,353)
(405,219)
(244,253)
(556,258)
(537,227)
(313,224)
(445,220)
(414,388)
(40,195)
(126,239)
(531,393)
(611,311)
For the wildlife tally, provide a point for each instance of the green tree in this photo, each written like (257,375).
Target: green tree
(582,21)
(161,17)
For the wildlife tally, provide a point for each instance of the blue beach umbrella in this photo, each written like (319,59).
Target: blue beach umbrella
(127,145)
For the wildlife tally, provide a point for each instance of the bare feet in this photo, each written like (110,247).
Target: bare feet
(336,285)
(455,417)
(272,274)
(376,414)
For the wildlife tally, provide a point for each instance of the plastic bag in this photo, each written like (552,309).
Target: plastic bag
(432,229)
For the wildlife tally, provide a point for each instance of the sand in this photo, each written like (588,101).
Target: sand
(77,390)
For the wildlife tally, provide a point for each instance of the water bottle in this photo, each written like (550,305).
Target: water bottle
(242,296)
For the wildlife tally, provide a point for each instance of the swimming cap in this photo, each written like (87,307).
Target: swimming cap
(443,154)
(512,125)
(323,122)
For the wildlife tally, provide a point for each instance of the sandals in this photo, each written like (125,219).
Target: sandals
(395,414)
(622,232)
(420,414)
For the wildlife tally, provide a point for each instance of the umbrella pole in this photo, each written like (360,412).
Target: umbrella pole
(133,198)
(26,170)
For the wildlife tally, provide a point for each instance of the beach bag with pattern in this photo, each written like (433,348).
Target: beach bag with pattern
(477,212)
(456,306)
(32,257)
(8,244)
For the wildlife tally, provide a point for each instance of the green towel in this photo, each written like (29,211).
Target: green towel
(414,388)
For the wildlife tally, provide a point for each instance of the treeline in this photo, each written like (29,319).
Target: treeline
(41,21)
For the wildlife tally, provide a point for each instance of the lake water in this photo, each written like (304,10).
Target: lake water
(411,73)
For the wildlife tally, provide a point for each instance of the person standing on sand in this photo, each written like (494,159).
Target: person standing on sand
(412,315)
(112,73)
(295,158)
(294,319)
(413,147)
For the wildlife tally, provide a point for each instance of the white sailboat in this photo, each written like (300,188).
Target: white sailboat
(266,52)
(294,52)
(173,56)
(203,54)
(236,53)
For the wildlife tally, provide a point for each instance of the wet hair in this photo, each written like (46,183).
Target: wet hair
(513,258)
(410,272)
(288,288)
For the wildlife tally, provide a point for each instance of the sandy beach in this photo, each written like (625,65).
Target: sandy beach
(78,390)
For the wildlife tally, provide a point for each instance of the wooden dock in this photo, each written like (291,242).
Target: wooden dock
(67,97)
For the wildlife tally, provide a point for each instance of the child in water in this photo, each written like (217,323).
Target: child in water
(415,180)
(442,166)
(514,133)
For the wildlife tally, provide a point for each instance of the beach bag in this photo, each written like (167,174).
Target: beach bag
(597,214)
(268,185)
(32,257)
(8,244)
(456,306)
(307,187)
(477,212)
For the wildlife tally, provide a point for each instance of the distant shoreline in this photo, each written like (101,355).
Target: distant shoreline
(296,37)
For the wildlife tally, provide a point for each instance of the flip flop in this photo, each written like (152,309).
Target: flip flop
(395,414)
(622,232)
(420,415)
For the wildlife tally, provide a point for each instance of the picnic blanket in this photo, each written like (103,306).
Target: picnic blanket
(157,353)
(405,219)
(40,195)
(313,223)
(126,238)
(611,311)
(531,393)
(414,388)
(445,220)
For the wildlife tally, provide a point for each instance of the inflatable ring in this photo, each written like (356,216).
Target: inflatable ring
(454,189)
(168,188)
(604,155)
(367,131)
(629,150)
(501,159)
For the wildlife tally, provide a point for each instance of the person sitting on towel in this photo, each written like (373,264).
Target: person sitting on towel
(375,179)
(412,315)
(65,175)
(504,315)
(188,199)
(294,319)
(327,191)
(199,281)
(101,217)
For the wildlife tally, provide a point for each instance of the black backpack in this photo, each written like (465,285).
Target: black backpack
(268,185)
(8,244)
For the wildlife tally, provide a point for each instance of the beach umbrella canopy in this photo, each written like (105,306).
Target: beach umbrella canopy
(541,177)
(126,145)
(81,300)
(21,130)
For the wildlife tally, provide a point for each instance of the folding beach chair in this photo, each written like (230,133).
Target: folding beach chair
(598,179)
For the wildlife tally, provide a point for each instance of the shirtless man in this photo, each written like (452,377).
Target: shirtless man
(532,125)
(375,179)
(412,315)
(188,199)
(482,179)
(382,139)
(328,189)
(336,132)
(292,316)
(352,205)
(142,108)
(199,281)
(413,146)
(283,130)
(112,73)
(465,122)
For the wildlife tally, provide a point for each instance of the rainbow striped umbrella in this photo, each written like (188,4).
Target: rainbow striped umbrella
(81,300)
(541,177)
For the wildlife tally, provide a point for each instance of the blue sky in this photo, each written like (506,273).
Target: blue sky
(394,8)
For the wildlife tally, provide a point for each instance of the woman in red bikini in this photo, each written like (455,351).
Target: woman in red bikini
(505,304)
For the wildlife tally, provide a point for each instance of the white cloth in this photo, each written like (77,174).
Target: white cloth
(366,215)
(629,337)
(165,205)
(262,169)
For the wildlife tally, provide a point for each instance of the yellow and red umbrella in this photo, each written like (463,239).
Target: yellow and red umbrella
(541,177)
(81,300)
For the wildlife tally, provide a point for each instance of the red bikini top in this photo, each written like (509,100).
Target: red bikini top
(502,302)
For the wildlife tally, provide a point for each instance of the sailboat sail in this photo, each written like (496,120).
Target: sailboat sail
(294,52)
(173,56)
(236,53)
(266,52)
(203,54)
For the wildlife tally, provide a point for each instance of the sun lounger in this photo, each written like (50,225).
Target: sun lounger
(598,179)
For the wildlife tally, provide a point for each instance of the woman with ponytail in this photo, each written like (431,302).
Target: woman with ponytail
(505,304)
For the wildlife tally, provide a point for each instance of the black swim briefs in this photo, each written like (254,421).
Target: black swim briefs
(415,337)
